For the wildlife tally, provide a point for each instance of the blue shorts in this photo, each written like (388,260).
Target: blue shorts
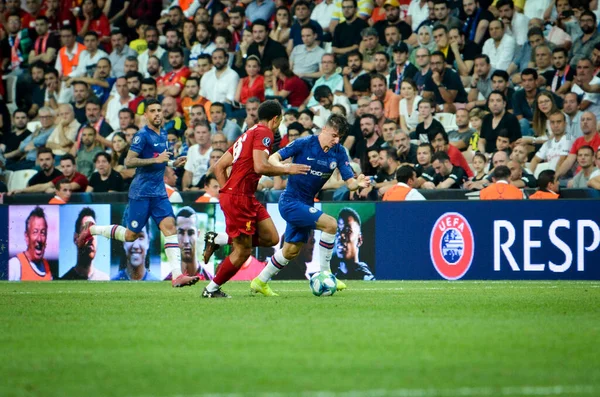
(301,220)
(138,211)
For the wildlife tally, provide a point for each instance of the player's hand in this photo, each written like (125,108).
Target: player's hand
(163,157)
(298,169)
(363,182)
(180,162)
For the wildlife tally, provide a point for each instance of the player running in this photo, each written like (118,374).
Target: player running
(147,194)
(323,153)
(247,222)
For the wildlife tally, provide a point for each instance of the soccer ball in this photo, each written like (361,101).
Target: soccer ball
(323,284)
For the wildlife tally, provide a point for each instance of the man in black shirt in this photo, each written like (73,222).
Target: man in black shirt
(446,176)
(429,126)
(444,86)
(477,22)
(464,52)
(105,179)
(497,120)
(392,17)
(346,36)
(10,143)
(45,159)
(265,48)
(500,83)
(407,152)
(81,93)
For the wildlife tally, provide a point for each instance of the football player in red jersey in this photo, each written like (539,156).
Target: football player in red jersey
(247,222)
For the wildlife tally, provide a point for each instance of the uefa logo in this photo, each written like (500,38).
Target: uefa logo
(452,246)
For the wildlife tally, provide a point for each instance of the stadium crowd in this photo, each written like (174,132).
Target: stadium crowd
(441,94)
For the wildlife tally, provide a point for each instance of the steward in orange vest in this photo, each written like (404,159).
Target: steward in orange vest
(501,189)
(403,191)
(547,184)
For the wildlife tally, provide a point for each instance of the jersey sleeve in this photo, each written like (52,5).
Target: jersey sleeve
(344,165)
(291,149)
(138,142)
(263,139)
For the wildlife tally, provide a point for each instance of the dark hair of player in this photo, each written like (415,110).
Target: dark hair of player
(269,110)
(150,102)
(339,124)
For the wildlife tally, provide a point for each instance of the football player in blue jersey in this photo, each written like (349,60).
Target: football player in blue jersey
(323,153)
(147,194)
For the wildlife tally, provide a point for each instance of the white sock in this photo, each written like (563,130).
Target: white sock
(326,250)
(274,265)
(212,286)
(222,239)
(173,255)
(115,232)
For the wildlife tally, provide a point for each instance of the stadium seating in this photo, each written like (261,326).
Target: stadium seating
(19,179)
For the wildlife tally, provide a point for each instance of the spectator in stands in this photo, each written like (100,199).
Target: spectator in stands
(170,179)
(386,174)
(118,102)
(428,126)
(594,179)
(42,180)
(105,179)
(352,71)
(147,11)
(37,89)
(585,161)
(522,59)
(369,46)
(522,110)
(29,147)
(497,120)
(501,189)
(63,192)
(500,47)
(464,52)
(46,44)
(346,35)
(583,47)
(251,114)
(409,105)
(418,12)
(556,149)
(188,39)
(19,48)
(481,83)
(63,137)
(193,98)
(305,58)
(220,123)
(220,83)
(402,70)
(387,133)
(88,151)
(287,85)
(543,64)
(444,86)
(260,10)
(253,85)
(368,126)
(390,100)
(151,36)
(197,158)
(392,17)
(477,22)
(264,47)
(326,100)
(479,164)
(443,15)
(10,143)
(548,186)
(171,119)
(118,155)
(519,177)
(76,181)
(500,82)
(211,190)
(91,19)
(407,151)
(120,52)
(563,74)
(590,138)
(172,83)
(89,57)
(302,14)
(403,190)
(126,118)
(149,91)
(571,109)
(205,44)
(461,137)
(447,176)
(129,130)
(584,79)
(93,112)
(440,142)
(515,22)
(55,93)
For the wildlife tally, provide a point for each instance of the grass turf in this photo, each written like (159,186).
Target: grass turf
(377,339)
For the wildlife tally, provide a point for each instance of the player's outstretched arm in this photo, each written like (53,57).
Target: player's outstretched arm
(133,161)
(265,166)
(220,168)
(361,182)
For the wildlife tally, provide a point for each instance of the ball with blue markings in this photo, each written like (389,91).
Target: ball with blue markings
(323,284)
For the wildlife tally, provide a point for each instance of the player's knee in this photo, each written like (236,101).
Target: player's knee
(290,251)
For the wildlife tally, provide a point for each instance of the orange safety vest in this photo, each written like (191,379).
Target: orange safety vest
(27,272)
(203,199)
(397,193)
(56,200)
(501,191)
(542,195)
(69,64)
(170,190)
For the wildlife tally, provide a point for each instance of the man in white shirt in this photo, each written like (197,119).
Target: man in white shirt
(323,13)
(585,79)
(198,157)
(500,47)
(556,149)
(417,13)
(151,37)
(515,22)
(219,83)
(117,102)
(89,57)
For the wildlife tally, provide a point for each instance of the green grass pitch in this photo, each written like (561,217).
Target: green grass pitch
(403,339)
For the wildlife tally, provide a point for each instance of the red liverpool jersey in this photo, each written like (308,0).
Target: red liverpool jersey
(243,179)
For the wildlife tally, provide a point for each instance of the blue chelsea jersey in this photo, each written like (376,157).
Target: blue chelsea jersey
(322,164)
(148,180)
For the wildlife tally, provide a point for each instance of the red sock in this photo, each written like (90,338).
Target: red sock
(229,240)
(226,272)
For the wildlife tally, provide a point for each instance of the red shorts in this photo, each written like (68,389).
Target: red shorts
(242,213)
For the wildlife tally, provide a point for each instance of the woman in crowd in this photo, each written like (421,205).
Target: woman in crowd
(545,105)
(283,23)
(425,39)
(119,152)
(253,85)
(287,85)
(409,115)
(91,18)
